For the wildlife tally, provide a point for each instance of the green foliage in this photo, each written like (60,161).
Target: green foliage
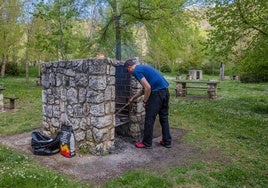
(33,71)
(15,69)
(57,37)
(165,68)
(12,69)
(177,41)
(10,32)
(254,67)
(239,37)
(123,20)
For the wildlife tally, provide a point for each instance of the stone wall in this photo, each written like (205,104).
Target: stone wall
(81,93)
(137,111)
(84,94)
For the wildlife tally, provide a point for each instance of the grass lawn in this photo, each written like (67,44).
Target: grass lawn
(236,124)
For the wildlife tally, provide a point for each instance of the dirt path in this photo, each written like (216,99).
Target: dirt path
(99,169)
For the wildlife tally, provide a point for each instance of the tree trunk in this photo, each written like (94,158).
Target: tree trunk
(118,39)
(27,59)
(3,67)
(117,32)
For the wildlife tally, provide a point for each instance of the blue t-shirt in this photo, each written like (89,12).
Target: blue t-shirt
(154,78)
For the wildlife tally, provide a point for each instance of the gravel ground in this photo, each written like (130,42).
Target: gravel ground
(125,157)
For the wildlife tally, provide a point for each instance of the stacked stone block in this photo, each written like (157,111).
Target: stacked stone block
(137,111)
(81,93)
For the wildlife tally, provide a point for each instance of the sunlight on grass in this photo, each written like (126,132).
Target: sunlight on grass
(28,113)
(235,125)
(18,171)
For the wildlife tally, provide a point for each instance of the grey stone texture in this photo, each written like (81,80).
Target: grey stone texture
(81,93)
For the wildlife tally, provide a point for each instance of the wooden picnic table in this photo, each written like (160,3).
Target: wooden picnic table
(11,99)
(210,86)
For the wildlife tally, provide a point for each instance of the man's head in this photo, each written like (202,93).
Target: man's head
(130,64)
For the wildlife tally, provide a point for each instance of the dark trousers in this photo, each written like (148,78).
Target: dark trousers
(157,104)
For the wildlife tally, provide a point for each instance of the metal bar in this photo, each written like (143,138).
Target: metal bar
(122,108)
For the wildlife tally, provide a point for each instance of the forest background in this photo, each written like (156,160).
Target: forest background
(172,35)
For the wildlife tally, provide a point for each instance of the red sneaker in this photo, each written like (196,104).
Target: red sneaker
(162,143)
(142,145)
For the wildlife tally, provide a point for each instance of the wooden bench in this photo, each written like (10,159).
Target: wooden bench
(184,85)
(197,87)
(11,101)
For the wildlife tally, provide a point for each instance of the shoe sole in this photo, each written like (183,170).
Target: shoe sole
(166,146)
(144,147)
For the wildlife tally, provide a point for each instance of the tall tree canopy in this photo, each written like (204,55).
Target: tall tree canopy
(10,30)
(125,17)
(57,36)
(155,30)
(160,32)
(239,36)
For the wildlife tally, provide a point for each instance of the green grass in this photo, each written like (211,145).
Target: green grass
(17,170)
(235,125)
(29,113)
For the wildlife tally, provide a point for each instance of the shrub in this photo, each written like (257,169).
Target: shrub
(12,69)
(165,68)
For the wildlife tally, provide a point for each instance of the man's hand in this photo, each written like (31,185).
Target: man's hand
(144,104)
(131,100)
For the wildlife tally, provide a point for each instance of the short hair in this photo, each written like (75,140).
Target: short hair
(130,62)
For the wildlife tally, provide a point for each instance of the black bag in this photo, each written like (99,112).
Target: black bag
(67,141)
(43,145)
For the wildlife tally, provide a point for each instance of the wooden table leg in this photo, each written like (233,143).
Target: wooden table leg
(178,90)
(212,90)
(184,90)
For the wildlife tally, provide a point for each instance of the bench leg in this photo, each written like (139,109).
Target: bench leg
(212,94)
(11,103)
(178,91)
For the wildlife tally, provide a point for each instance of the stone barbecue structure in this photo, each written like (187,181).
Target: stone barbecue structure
(195,74)
(86,94)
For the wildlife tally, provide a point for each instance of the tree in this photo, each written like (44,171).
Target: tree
(177,41)
(29,28)
(125,16)
(57,37)
(240,36)
(10,29)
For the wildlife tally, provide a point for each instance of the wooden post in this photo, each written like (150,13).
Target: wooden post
(221,77)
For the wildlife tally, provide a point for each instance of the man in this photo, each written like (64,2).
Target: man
(156,101)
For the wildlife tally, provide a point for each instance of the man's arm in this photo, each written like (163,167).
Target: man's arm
(146,91)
